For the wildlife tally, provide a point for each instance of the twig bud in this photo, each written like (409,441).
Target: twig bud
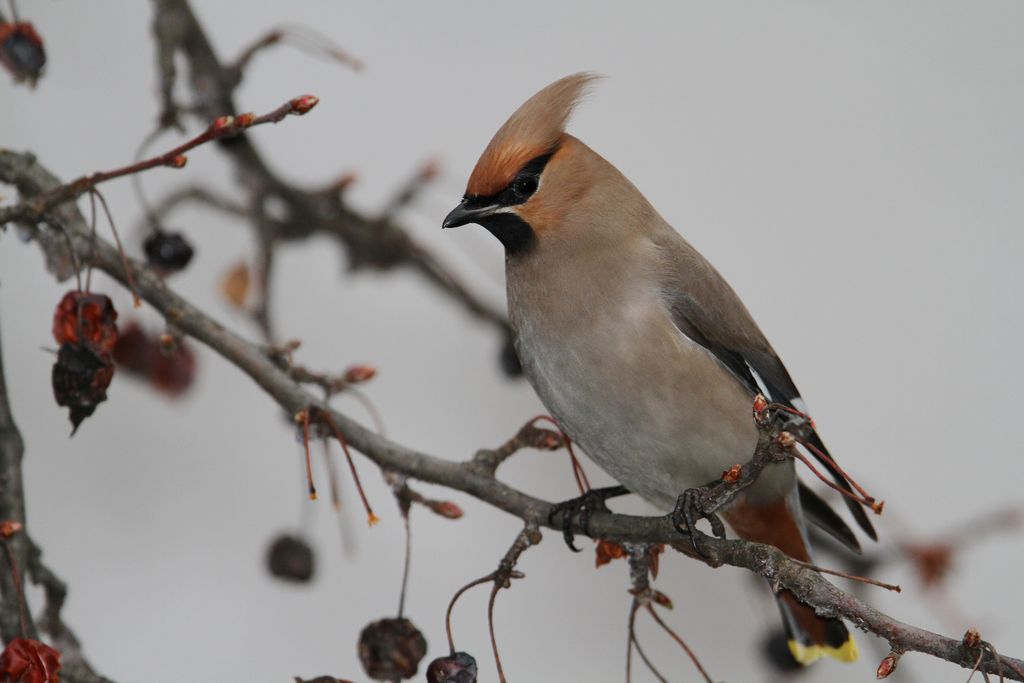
(9,527)
(661,599)
(760,410)
(222,124)
(303,103)
(245,120)
(785,440)
(733,474)
(446,509)
(357,374)
(972,638)
(888,665)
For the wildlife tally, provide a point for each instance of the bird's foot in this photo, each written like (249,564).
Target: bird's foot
(580,508)
(690,509)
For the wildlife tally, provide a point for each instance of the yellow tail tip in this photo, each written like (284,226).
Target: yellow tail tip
(808,654)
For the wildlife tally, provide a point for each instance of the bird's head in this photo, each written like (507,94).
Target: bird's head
(530,173)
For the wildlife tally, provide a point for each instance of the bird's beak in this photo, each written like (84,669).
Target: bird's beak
(463,214)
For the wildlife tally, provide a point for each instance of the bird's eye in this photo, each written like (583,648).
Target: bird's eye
(526,185)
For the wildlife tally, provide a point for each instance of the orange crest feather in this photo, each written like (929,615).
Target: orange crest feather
(536,128)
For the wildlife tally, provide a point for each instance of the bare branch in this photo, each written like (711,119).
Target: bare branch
(371,241)
(470,477)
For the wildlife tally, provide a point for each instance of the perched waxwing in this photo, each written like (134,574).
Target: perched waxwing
(637,346)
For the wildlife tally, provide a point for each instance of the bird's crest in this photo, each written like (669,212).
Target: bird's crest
(535,129)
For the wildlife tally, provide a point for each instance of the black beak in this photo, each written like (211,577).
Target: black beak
(464,214)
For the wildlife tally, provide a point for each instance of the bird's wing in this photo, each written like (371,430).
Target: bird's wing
(707,310)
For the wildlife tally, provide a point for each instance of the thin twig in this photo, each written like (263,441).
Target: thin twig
(19,590)
(853,577)
(451,606)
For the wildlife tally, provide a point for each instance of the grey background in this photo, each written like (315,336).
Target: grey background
(854,169)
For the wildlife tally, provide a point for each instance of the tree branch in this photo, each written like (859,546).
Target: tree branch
(370,241)
(476,478)
(12,507)
(75,668)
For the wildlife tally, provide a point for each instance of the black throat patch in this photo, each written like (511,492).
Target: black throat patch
(513,232)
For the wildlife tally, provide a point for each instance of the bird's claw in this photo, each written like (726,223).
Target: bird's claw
(688,511)
(580,508)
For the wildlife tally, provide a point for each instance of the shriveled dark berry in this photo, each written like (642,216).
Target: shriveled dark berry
(168,251)
(290,558)
(459,667)
(80,379)
(391,648)
(21,51)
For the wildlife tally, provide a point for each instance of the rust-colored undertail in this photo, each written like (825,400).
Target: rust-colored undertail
(809,636)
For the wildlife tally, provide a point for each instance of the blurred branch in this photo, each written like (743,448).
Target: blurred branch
(477,479)
(75,668)
(376,242)
(12,508)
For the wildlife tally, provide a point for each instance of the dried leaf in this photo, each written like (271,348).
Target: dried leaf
(235,285)
(607,551)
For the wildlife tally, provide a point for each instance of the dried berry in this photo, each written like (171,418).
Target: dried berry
(29,661)
(391,648)
(458,667)
(80,379)
(290,558)
(171,368)
(21,51)
(85,326)
(168,252)
(86,319)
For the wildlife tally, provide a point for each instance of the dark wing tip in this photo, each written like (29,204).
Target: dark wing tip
(821,515)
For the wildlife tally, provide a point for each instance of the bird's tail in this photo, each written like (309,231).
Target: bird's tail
(809,636)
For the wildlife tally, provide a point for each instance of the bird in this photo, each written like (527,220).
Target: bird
(636,345)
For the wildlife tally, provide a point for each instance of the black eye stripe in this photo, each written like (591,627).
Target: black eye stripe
(522,187)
